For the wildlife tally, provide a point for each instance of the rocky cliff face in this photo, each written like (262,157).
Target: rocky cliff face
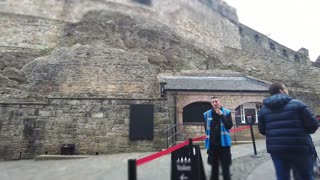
(169,37)
(111,54)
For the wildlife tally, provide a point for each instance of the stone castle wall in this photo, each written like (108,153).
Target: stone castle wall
(28,31)
(96,71)
(56,9)
(210,23)
(98,125)
(255,42)
(199,23)
(191,19)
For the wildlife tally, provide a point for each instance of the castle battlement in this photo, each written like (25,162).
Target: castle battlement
(256,42)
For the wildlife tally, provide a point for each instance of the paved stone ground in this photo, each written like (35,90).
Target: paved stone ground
(103,167)
(249,168)
(114,167)
(243,166)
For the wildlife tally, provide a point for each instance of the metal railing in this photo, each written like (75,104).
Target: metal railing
(182,132)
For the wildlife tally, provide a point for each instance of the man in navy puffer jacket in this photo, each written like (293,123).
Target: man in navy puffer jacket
(287,124)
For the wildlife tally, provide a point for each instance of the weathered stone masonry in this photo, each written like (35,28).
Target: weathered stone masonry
(92,124)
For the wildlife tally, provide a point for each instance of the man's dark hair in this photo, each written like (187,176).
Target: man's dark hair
(275,88)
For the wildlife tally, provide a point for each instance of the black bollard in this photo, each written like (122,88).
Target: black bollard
(132,169)
(253,141)
(254,144)
(250,119)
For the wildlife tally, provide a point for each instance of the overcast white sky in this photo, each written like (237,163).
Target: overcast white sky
(292,23)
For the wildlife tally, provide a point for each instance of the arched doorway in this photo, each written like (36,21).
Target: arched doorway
(192,120)
(193,113)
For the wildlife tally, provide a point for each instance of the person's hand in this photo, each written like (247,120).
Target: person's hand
(218,111)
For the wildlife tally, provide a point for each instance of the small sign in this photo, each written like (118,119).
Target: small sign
(186,164)
(250,116)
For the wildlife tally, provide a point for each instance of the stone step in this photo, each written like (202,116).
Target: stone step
(59,157)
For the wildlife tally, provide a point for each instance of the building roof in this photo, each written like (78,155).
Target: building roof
(192,83)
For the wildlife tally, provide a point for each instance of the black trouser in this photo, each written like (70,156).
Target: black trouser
(220,155)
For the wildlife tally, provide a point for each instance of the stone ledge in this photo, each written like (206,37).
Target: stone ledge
(59,157)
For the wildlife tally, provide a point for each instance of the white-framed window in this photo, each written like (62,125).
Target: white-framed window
(240,112)
(258,107)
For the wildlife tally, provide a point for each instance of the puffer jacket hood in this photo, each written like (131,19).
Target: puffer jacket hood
(276,100)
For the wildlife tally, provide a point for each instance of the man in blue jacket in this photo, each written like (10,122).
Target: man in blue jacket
(287,124)
(218,122)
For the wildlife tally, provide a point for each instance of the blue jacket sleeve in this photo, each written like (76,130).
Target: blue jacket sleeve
(309,120)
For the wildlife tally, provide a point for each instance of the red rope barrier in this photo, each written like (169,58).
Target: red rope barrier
(199,138)
(178,146)
(240,129)
(156,155)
